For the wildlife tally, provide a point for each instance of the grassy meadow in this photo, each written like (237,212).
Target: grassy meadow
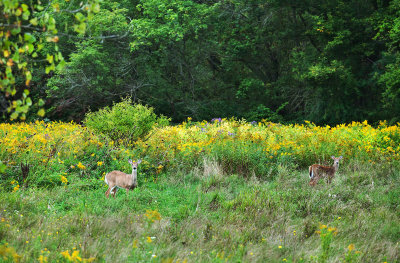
(219,191)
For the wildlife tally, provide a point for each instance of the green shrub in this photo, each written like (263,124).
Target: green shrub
(124,123)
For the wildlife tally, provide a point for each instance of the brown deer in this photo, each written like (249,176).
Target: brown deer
(317,171)
(118,179)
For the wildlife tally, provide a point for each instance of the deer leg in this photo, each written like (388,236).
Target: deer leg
(114,191)
(314,181)
(330,179)
(108,192)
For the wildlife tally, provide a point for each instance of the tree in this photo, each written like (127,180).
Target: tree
(25,29)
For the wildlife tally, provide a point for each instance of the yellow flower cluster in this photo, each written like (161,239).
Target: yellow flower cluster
(8,253)
(69,146)
(15,184)
(57,145)
(303,143)
(152,215)
(74,257)
(64,180)
(325,230)
(81,166)
(43,258)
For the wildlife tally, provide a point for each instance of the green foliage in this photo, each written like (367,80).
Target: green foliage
(261,112)
(124,123)
(331,62)
(25,29)
(166,21)
(326,236)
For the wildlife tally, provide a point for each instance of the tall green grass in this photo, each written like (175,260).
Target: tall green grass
(209,216)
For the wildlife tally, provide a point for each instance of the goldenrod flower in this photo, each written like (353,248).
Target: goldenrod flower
(81,166)
(135,244)
(64,179)
(351,247)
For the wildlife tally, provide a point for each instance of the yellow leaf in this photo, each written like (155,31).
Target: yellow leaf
(34,21)
(10,62)
(50,58)
(41,112)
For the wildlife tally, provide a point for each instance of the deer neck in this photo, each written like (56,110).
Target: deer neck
(335,167)
(134,177)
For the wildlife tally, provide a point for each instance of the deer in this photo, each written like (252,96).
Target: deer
(118,179)
(316,171)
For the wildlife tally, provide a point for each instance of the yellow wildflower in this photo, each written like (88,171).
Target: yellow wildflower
(351,247)
(64,179)
(42,259)
(135,244)
(16,188)
(81,166)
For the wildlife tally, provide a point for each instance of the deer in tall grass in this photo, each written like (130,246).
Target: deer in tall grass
(118,179)
(317,171)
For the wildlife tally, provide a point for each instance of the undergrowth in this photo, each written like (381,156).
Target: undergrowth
(225,191)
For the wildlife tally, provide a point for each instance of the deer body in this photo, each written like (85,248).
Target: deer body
(118,179)
(317,171)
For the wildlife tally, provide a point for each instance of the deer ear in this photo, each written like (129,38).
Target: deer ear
(341,157)
(333,157)
(139,161)
(130,161)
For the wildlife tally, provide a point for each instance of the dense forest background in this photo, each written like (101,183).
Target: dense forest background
(328,61)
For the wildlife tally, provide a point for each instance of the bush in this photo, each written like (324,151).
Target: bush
(124,123)
(54,154)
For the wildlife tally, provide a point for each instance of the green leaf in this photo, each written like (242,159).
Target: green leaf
(96,8)
(16,57)
(39,7)
(50,68)
(25,15)
(50,58)
(34,21)
(30,48)
(28,37)
(15,31)
(29,101)
(14,115)
(18,12)
(3,167)
(28,75)
(61,64)
(80,17)
(80,28)
(22,109)
(41,103)
(24,7)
